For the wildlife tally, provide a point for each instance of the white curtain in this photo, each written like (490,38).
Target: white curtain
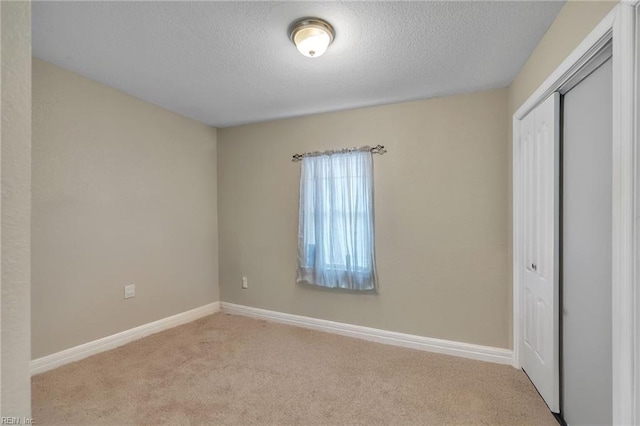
(336,233)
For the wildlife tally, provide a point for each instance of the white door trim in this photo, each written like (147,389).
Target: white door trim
(624,286)
(635,403)
(620,27)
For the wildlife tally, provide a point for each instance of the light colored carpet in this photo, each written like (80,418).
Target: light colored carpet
(226,369)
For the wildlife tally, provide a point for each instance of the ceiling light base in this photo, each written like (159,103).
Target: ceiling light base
(312,36)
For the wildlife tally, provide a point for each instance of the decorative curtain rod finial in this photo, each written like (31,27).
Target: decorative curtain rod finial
(378,149)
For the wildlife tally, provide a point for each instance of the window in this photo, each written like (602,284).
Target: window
(335,231)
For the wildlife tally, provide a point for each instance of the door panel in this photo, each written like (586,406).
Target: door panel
(540,145)
(586,278)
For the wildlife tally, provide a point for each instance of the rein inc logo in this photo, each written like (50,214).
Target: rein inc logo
(16,421)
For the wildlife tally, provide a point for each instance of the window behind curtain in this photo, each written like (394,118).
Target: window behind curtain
(335,233)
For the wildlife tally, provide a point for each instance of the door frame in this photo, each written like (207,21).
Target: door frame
(620,27)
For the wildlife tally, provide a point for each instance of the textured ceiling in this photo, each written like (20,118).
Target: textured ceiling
(229,63)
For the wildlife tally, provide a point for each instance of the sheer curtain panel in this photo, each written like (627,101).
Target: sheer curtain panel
(335,231)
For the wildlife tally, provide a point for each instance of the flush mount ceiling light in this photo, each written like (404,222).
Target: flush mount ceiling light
(311,36)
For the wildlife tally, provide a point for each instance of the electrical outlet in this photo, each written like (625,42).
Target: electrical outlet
(129,291)
(245,283)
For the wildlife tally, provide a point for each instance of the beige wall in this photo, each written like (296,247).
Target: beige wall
(15,208)
(572,25)
(123,192)
(440,206)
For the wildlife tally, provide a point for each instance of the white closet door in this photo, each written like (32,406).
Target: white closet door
(586,248)
(539,139)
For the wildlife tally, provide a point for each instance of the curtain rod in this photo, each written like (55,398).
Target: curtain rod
(378,149)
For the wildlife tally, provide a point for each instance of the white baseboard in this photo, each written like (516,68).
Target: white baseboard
(447,347)
(49,362)
(465,350)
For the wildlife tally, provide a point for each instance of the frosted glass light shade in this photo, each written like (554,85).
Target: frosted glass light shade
(311,36)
